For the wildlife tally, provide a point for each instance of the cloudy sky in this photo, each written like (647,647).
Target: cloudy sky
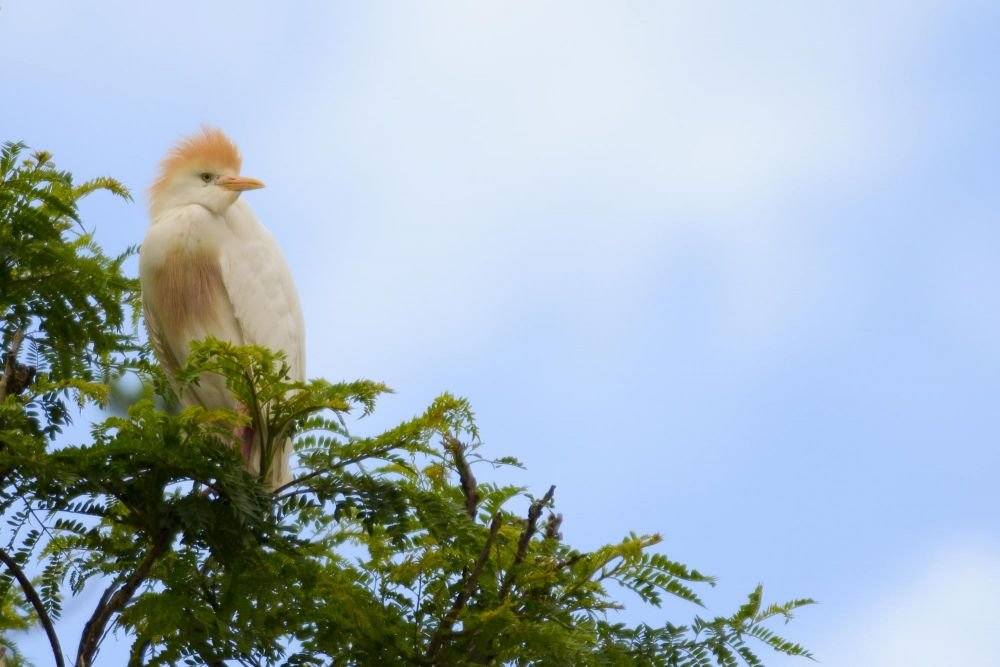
(726,272)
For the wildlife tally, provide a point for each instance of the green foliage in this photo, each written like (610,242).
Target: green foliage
(384,549)
(61,297)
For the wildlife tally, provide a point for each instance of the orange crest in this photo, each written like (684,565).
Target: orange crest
(211,148)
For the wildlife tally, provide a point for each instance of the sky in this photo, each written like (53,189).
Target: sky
(724,271)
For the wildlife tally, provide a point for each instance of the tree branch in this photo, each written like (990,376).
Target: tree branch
(36,602)
(465,476)
(534,512)
(43,277)
(112,603)
(11,362)
(467,590)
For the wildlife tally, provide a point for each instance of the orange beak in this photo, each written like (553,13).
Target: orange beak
(238,183)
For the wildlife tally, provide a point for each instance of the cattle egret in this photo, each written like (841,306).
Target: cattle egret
(209,268)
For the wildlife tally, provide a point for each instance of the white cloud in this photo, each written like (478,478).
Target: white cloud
(478,162)
(943,612)
(506,154)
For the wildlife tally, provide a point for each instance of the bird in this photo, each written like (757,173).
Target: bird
(208,267)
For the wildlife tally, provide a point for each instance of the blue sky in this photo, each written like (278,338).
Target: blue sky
(722,271)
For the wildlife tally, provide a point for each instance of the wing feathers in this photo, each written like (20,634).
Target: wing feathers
(261,292)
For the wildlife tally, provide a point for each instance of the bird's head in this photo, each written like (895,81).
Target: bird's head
(204,170)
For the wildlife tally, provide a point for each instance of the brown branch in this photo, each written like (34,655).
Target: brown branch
(10,370)
(467,590)
(465,476)
(534,512)
(111,603)
(36,602)
(11,362)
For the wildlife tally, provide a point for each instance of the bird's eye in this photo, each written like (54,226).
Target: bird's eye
(205,176)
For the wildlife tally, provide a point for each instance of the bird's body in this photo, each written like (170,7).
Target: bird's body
(208,267)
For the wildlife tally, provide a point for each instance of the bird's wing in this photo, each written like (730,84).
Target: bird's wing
(194,394)
(261,291)
(163,352)
(184,299)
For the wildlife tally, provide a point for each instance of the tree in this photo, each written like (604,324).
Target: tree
(384,550)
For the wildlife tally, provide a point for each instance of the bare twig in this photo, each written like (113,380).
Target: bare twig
(466,593)
(36,602)
(465,476)
(11,362)
(534,512)
(113,602)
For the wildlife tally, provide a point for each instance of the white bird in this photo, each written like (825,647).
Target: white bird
(209,268)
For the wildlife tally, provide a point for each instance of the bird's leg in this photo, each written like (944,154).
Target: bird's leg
(246,435)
